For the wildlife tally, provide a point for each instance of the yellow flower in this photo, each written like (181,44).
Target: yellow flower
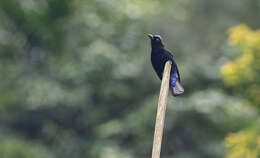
(243,74)
(243,145)
(229,72)
(238,34)
(244,69)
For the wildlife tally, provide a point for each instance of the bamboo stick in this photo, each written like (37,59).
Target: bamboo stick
(161,110)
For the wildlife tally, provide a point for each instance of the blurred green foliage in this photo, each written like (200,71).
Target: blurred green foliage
(243,76)
(76,78)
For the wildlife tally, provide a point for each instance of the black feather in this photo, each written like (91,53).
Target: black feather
(159,57)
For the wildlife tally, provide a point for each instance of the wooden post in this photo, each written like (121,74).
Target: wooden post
(159,124)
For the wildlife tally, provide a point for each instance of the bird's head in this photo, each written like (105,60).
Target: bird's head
(156,40)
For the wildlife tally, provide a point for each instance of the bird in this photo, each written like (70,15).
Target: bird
(159,56)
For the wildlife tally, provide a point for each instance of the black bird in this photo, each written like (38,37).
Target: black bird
(159,57)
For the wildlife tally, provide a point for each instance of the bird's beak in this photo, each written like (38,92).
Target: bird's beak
(150,36)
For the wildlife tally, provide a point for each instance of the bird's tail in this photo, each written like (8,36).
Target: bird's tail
(177,89)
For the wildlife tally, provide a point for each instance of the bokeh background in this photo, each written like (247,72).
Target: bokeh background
(76,79)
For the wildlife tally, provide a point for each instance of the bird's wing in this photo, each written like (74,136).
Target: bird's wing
(170,56)
(179,77)
(169,53)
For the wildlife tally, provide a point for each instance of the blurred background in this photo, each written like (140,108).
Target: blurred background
(76,79)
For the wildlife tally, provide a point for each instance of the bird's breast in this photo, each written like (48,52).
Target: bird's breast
(158,62)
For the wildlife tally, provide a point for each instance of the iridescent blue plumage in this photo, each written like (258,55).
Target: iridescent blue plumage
(159,57)
(173,79)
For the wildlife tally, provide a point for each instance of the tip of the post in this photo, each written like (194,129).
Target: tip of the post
(170,62)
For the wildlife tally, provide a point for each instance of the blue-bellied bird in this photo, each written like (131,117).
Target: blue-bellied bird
(159,57)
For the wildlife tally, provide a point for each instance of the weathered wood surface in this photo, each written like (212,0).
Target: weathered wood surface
(161,110)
